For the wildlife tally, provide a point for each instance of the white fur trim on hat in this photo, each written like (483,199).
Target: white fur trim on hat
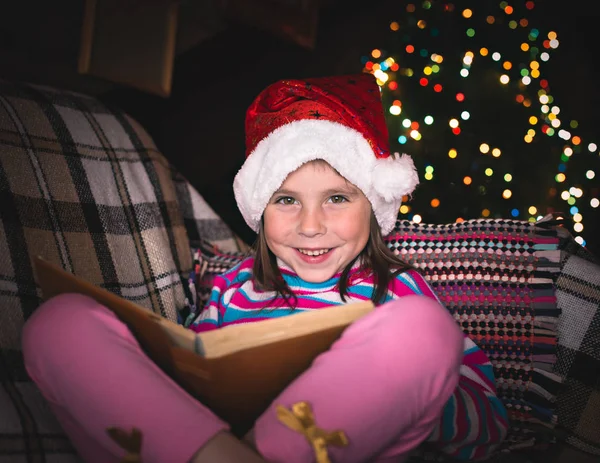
(383,181)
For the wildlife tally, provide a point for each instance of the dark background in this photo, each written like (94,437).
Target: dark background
(199,128)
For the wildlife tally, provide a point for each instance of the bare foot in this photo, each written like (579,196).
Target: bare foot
(225,448)
(249,439)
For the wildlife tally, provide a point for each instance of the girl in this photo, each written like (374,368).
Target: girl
(320,188)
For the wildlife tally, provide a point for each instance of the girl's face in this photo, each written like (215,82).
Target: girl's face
(317,222)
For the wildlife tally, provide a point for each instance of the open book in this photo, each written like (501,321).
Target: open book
(236,371)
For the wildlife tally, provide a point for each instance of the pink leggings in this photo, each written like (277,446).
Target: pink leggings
(384,383)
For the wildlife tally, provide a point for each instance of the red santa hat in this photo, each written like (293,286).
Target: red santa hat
(337,119)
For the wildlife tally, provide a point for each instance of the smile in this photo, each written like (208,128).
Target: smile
(314,252)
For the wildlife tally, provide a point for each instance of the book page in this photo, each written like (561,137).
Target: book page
(234,338)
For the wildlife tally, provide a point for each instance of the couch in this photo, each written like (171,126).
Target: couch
(83,185)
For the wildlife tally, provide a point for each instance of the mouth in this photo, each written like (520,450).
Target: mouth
(314,256)
(313,252)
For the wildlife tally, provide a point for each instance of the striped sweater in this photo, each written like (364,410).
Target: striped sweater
(473,421)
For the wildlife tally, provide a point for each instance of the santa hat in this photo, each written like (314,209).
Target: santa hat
(337,119)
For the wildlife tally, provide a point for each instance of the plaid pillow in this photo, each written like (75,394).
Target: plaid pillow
(578,296)
(83,186)
(204,227)
(495,276)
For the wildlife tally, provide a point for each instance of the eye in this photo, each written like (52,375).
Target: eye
(338,199)
(285,200)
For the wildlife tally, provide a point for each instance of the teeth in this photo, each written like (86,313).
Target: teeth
(317,252)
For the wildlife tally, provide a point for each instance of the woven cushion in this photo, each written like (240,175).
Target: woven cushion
(495,277)
(83,186)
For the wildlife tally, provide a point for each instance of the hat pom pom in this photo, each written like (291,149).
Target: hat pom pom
(395,176)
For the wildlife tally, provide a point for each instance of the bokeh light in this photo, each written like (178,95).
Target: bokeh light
(537,146)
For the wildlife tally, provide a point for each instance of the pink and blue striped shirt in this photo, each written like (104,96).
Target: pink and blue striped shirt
(474,421)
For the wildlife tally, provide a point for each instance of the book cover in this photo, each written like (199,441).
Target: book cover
(236,371)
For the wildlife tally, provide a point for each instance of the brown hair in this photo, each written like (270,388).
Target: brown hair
(376,256)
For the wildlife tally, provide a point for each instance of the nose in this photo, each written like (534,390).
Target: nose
(311,222)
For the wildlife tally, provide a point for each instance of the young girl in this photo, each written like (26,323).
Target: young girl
(320,188)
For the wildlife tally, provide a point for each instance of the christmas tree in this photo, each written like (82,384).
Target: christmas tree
(466,94)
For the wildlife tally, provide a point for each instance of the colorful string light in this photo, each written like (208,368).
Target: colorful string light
(518,71)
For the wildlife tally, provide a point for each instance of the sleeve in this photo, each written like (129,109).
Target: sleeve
(474,421)
(211,316)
